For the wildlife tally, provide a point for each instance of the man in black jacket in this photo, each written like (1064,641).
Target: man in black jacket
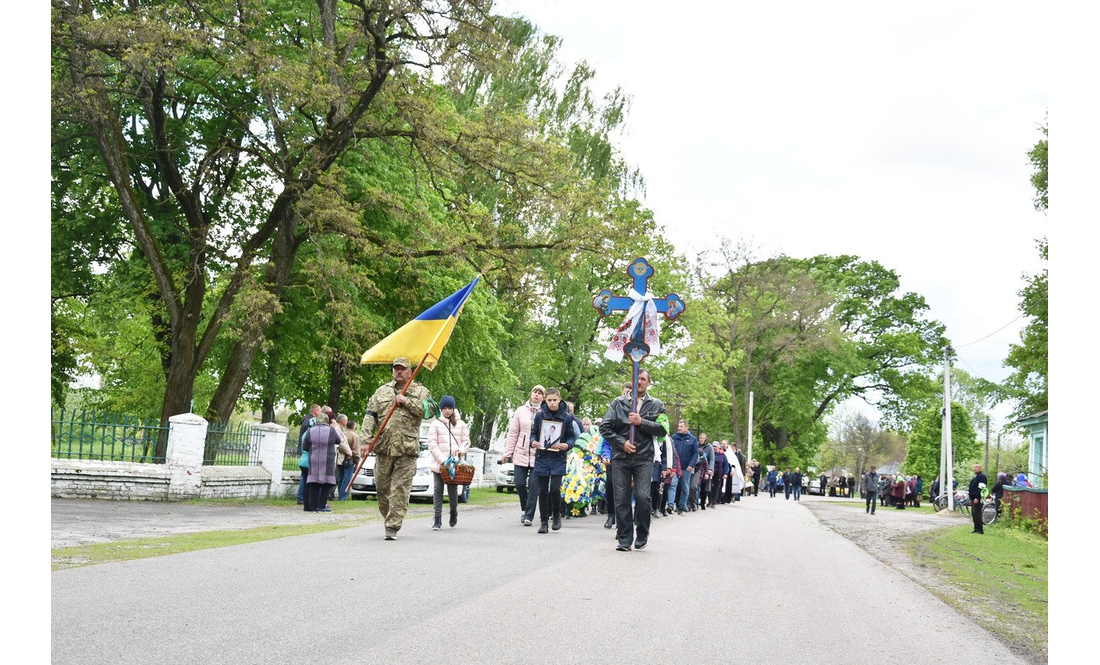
(977,484)
(632,461)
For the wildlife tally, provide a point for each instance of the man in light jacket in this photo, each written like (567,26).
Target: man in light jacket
(869,485)
(520,450)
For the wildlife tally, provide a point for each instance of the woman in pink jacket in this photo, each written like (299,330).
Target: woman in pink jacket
(448,436)
(520,451)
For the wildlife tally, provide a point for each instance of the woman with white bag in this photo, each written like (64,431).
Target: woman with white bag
(448,438)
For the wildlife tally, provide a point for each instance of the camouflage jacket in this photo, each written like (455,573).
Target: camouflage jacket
(402,434)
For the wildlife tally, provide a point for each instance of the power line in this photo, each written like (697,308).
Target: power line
(1027,313)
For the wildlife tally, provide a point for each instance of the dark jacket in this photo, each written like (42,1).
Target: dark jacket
(721,465)
(688,448)
(975,491)
(870,483)
(307,422)
(616,427)
(676,470)
(552,462)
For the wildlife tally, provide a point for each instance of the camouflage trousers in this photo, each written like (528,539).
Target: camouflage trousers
(393,476)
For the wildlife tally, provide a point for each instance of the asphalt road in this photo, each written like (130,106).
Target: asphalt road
(761,581)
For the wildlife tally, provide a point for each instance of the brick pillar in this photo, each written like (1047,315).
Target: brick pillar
(272,444)
(186,441)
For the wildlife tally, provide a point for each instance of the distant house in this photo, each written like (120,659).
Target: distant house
(1038,450)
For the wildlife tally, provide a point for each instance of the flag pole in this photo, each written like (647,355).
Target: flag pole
(385,421)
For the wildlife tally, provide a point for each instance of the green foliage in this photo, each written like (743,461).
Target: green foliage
(804,335)
(1014,518)
(1027,385)
(925,442)
(1037,156)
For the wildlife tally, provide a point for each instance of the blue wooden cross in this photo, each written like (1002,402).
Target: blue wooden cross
(605,303)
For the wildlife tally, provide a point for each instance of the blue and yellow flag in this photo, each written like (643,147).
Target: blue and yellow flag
(425,336)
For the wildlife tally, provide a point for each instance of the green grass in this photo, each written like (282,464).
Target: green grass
(998,579)
(128,550)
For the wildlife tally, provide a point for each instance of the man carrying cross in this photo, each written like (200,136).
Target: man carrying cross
(632,461)
(631,421)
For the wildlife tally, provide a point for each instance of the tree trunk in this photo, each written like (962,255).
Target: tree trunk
(276,277)
(178,391)
(338,372)
(735,411)
(268,393)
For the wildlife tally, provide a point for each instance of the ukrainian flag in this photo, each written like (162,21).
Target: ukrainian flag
(423,338)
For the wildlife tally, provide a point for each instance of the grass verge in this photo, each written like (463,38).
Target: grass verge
(92,554)
(998,579)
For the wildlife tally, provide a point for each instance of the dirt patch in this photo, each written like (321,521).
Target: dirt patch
(887,536)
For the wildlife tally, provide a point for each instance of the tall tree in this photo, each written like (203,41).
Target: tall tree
(215,122)
(923,454)
(806,334)
(1027,385)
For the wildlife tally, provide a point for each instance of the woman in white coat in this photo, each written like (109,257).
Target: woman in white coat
(448,436)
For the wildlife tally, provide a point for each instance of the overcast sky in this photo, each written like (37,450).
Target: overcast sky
(896,132)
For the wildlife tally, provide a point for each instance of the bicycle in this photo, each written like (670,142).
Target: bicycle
(962,502)
(989,511)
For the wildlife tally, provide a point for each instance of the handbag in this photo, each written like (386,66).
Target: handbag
(303,459)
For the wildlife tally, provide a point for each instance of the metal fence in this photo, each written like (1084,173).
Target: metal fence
(227,445)
(88,435)
(291,452)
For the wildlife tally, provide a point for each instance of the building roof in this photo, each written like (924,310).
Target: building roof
(1034,418)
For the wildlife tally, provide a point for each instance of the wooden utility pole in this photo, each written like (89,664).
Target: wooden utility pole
(987,442)
(947,475)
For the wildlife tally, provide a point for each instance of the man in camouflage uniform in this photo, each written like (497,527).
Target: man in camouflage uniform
(399,444)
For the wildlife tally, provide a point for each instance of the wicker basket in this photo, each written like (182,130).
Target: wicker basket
(464,474)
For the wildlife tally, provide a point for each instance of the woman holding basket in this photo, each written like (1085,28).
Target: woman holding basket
(448,438)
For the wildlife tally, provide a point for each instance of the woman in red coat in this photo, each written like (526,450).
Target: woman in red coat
(898,492)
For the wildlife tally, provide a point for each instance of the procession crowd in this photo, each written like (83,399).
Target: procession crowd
(629,465)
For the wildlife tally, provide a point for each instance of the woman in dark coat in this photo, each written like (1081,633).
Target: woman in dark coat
(554,440)
(321,442)
(999,489)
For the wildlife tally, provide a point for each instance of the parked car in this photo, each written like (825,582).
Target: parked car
(506,476)
(422,486)
(812,486)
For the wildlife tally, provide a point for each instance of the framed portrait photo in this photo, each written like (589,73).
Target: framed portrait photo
(550,433)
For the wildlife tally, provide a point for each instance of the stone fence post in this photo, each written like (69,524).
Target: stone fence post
(186,443)
(272,450)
